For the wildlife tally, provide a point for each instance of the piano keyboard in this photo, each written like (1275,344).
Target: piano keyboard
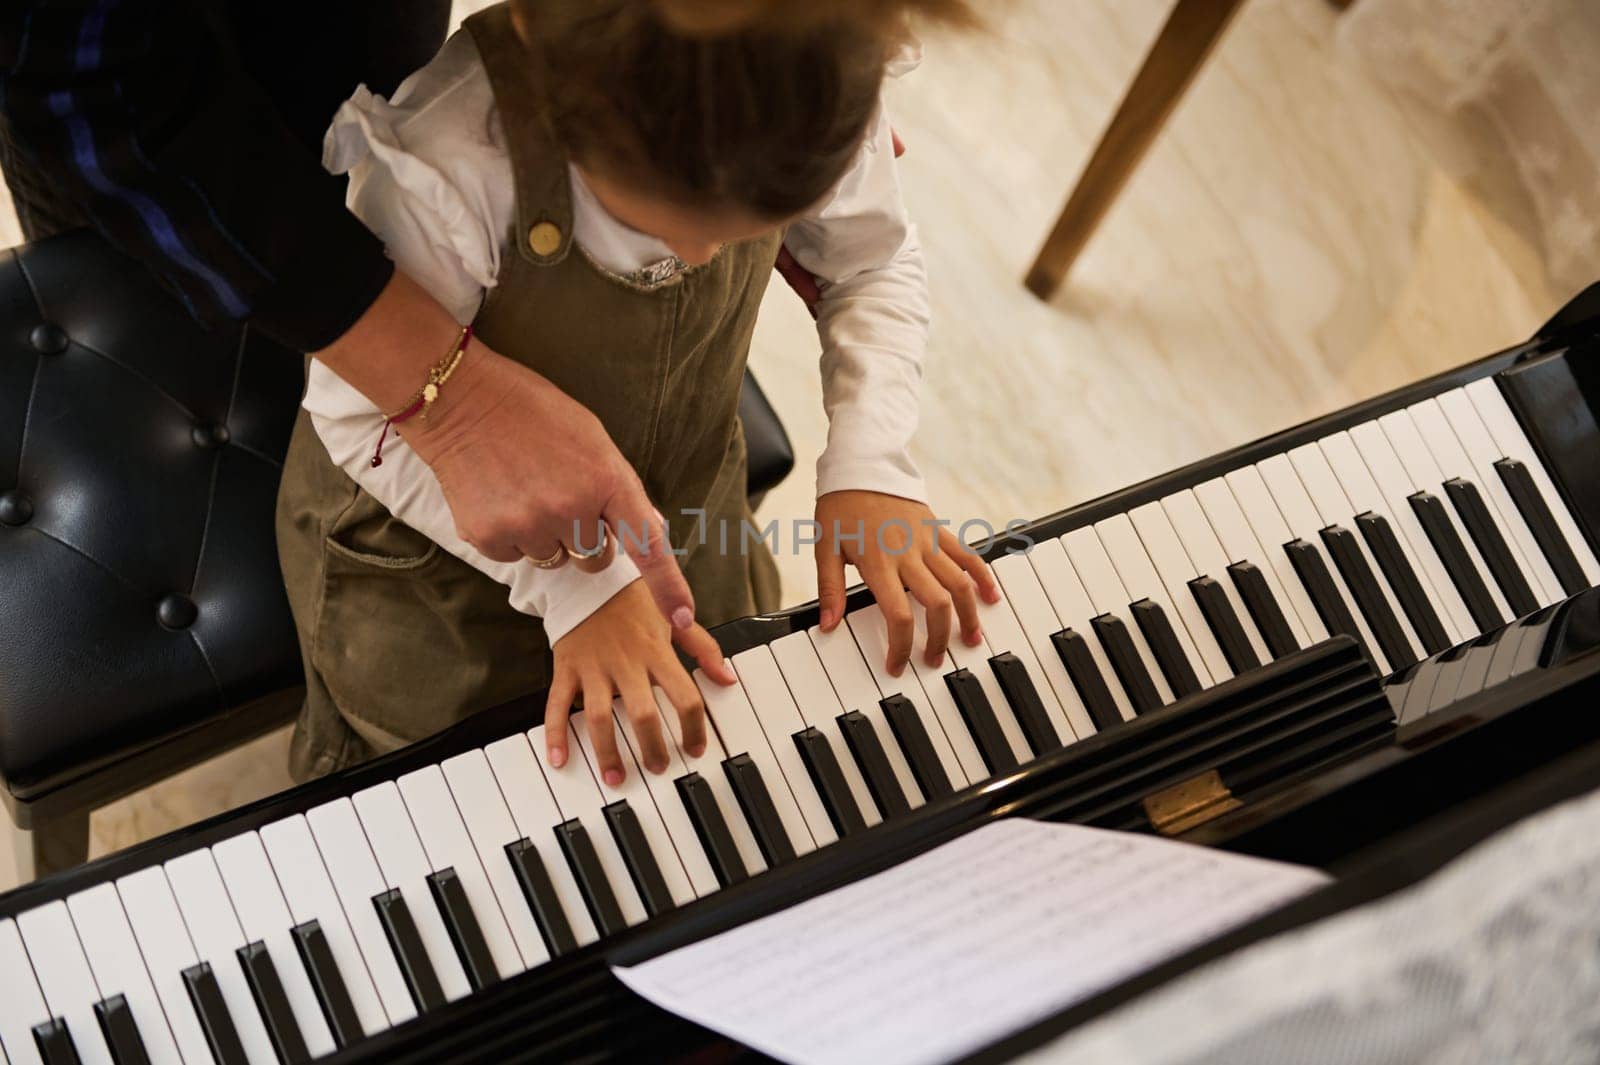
(1413,532)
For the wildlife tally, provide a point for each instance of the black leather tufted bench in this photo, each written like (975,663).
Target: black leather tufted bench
(143,625)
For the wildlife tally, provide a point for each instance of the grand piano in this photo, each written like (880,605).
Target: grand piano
(1363,644)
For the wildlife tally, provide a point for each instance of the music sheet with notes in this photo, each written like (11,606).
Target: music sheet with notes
(963,945)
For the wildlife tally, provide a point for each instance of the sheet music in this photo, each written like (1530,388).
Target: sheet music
(962,945)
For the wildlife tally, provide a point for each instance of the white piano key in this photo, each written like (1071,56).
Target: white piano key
(853,684)
(975,660)
(1205,551)
(447,845)
(164,944)
(353,871)
(1076,611)
(819,707)
(636,793)
(1272,534)
(264,917)
(1037,621)
(955,752)
(1333,506)
(1459,444)
(405,868)
(1175,569)
(1231,522)
(214,930)
(1105,591)
(63,974)
(119,967)
(1003,632)
(516,768)
(943,704)
(709,765)
(669,804)
(1502,423)
(1301,517)
(1394,486)
(1129,548)
(491,829)
(311,897)
(1405,433)
(780,719)
(22,1005)
(579,797)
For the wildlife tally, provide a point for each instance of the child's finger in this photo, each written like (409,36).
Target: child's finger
(884,581)
(685,698)
(830,583)
(973,563)
(639,702)
(701,646)
(557,708)
(602,736)
(963,591)
(938,604)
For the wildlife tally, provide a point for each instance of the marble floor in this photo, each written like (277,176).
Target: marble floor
(1288,248)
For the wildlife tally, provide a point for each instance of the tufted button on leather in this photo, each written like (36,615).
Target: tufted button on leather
(48,339)
(210,435)
(544,238)
(15,507)
(176,611)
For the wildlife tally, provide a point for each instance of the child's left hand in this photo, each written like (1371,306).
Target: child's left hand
(900,551)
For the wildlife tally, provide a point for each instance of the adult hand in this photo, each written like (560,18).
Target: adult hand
(526,469)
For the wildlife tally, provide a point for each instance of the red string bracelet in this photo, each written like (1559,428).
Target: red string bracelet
(423,398)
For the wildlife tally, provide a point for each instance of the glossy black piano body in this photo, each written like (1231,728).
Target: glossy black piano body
(1316,757)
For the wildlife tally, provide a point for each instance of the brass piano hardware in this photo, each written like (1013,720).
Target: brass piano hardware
(1175,810)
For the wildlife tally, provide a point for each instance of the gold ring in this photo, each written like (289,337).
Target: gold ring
(593,552)
(558,556)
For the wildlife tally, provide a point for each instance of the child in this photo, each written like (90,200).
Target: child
(601,187)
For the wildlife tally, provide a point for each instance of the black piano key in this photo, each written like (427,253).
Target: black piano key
(1224,624)
(465,933)
(1318,582)
(744,776)
(1092,688)
(1453,553)
(206,998)
(54,1042)
(540,893)
(909,732)
(266,987)
(591,878)
(1525,494)
(1163,641)
(870,757)
(1474,514)
(981,722)
(122,1035)
(823,766)
(638,857)
(1025,702)
(1391,558)
(1264,608)
(332,994)
(401,929)
(712,829)
(1126,663)
(1369,597)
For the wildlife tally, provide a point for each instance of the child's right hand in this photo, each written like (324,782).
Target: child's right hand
(621,650)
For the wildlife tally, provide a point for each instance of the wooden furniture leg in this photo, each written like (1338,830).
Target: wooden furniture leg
(1190,32)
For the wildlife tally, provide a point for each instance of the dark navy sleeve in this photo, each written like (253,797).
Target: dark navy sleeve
(141,114)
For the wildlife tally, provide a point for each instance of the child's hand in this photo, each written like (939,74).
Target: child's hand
(621,650)
(899,551)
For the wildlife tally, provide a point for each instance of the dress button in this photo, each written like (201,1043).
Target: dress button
(176,611)
(544,238)
(210,435)
(15,507)
(48,339)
